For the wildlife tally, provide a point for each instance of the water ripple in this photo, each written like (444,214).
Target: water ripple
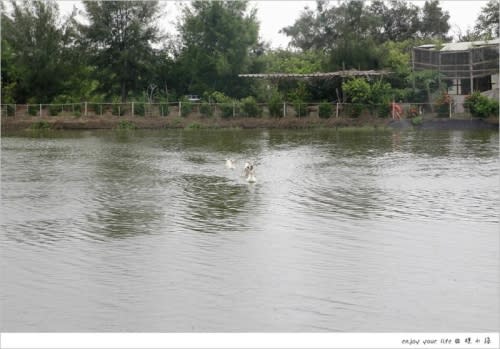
(343,231)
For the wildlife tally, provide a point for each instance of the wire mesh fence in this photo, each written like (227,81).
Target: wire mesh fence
(400,110)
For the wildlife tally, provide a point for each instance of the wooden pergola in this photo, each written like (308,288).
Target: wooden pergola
(317,76)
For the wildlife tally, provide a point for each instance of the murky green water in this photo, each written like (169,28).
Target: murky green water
(343,231)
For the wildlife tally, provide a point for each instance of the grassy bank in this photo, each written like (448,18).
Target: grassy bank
(189,122)
(199,122)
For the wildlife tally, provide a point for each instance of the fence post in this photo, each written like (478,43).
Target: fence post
(15,109)
(234,109)
(449,108)
(40,110)
(132,109)
(337,110)
(180,107)
(85,108)
(284,109)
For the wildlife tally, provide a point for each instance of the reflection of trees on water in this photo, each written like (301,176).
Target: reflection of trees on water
(125,198)
(481,143)
(215,204)
(430,143)
(221,141)
(344,184)
(345,196)
(350,141)
(454,143)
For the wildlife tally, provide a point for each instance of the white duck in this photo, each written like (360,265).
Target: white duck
(246,169)
(230,164)
(251,178)
(249,172)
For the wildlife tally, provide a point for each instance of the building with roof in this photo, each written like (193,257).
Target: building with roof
(467,66)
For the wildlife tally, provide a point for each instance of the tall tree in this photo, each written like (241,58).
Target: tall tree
(397,22)
(308,31)
(343,32)
(216,39)
(119,37)
(487,24)
(331,27)
(434,24)
(35,44)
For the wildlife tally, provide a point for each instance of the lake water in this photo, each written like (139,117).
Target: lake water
(343,231)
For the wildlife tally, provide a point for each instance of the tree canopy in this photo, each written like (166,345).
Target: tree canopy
(36,46)
(351,32)
(216,40)
(117,51)
(487,23)
(119,38)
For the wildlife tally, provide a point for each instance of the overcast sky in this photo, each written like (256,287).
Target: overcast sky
(274,15)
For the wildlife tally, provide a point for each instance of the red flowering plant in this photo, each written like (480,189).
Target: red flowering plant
(442,104)
(412,112)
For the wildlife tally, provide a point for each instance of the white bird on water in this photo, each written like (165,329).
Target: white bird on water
(230,164)
(249,172)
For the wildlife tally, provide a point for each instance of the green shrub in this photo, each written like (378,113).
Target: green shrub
(177,122)
(33,109)
(77,109)
(383,110)
(54,109)
(126,125)
(357,90)
(139,109)
(11,109)
(416,121)
(186,107)
(275,105)
(219,97)
(118,109)
(353,110)
(481,106)
(40,125)
(250,107)
(380,94)
(96,108)
(226,105)
(206,109)
(325,110)
(361,94)
(227,109)
(194,126)
(163,108)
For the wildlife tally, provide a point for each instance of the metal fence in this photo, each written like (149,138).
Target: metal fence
(453,109)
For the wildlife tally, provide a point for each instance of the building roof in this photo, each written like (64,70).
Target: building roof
(463,46)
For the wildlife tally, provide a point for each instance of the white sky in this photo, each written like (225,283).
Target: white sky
(274,15)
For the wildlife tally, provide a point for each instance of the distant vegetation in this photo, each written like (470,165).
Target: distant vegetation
(47,58)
